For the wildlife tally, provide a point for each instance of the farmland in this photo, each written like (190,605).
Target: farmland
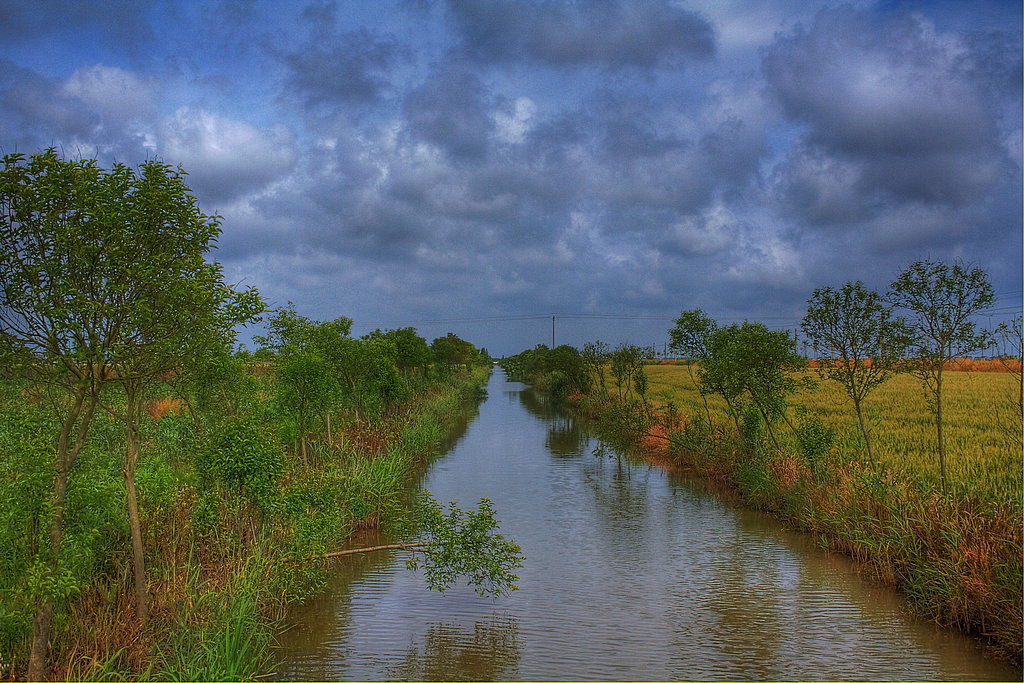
(984,434)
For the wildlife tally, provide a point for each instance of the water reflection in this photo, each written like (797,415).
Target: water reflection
(490,652)
(565,437)
(632,573)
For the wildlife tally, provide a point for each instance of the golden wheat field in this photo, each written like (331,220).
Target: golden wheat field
(982,428)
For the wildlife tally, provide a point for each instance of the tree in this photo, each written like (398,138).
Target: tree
(753,360)
(595,355)
(717,372)
(411,349)
(444,352)
(690,338)
(1011,356)
(102,280)
(627,362)
(176,309)
(858,339)
(307,388)
(941,300)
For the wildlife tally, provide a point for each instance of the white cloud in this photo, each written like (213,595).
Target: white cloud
(512,126)
(225,158)
(113,93)
(711,232)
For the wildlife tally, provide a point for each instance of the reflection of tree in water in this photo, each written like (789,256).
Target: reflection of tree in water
(745,600)
(450,653)
(565,437)
(537,405)
(620,488)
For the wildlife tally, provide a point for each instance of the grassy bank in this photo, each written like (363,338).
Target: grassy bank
(956,555)
(226,555)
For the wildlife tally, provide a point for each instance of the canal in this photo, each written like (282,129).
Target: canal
(631,573)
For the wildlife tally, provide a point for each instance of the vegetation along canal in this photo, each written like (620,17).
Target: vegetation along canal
(631,573)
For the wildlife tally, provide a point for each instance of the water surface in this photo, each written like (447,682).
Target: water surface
(632,573)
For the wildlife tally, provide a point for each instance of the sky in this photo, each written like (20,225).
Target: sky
(479,167)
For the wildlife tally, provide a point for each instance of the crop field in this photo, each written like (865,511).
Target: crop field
(983,430)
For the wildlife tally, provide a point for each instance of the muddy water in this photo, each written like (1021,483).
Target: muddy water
(631,574)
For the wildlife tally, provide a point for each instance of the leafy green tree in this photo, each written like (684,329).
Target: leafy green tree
(941,301)
(717,372)
(58,277)
(1011,356)
(627,362)
(573,376)
(411,350)
(175,308)
(454,543)
(243,455)
(690,338)
(306,388)
(444,353)
(103,280)
(859,341)
(595,357)
(751,360)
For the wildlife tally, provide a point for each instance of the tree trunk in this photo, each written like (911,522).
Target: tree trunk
(66,454)
(864,432)
(305,460)
(330,437)
(732,412)
(134,521)
(938,427)
(768,426)
(37,661)
(703,396)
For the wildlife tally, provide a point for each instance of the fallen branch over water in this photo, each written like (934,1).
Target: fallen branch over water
(393,546)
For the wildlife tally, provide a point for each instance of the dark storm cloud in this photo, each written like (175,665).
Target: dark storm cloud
(334,69)
(611,34)
(37,104)
(122,23)
(443,159)
(454,111)
(894,110)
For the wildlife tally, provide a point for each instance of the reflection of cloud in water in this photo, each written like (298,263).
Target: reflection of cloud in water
(450,653)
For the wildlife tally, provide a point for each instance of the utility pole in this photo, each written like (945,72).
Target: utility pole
(552,330)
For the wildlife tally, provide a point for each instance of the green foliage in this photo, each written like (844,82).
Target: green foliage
(942,301)
(465,544)
(815,439)
(859,341)
(752,361)
(245,457)
(306,388)
(595,356)
(233,644)
(690,335)
(752,430)
(627,363)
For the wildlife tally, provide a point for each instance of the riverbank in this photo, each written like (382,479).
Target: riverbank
(956,556)
(227,553)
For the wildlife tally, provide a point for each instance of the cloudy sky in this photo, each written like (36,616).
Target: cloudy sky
(476,167)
